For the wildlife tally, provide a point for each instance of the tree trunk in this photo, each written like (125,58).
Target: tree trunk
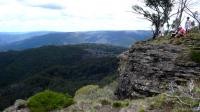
(199,25)
(179,19)
(182,8)
(156,32)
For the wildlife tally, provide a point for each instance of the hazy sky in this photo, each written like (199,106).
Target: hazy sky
(69,15)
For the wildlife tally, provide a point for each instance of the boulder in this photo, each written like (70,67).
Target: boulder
(19,106)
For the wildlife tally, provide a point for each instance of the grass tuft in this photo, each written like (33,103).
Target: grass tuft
(195,55)
(120,104)
(158,101)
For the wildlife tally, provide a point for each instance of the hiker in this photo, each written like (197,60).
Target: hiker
(173,31)
(180,32)
(188,25)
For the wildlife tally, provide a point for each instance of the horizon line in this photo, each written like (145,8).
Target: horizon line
(67,31)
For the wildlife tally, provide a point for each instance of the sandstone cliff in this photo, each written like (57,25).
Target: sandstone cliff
(147,69)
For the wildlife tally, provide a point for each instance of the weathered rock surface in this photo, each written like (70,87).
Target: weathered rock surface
(146,69)
(19,106)
(84,107)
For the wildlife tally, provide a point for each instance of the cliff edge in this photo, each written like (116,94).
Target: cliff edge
(148,68)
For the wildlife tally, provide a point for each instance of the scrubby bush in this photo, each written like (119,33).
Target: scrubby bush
(178,99)
(86,93)
(94,92)
(48,100)
(194,30)
(105,102)
(119,104)
(195,55)
(142,110)
(158,101)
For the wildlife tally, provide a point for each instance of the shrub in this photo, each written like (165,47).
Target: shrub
(48,100)
(195,55)
(194,30)
(86,93)
(158,101)
(105,102)
(142,110)
(185,98)
(94,92)
(177,41)
(119,104)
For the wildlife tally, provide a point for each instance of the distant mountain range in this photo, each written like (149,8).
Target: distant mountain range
(20,41)
(11,37)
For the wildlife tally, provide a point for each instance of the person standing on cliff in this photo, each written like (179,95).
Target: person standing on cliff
(188,25)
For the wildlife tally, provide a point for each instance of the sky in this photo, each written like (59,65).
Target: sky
(69,15)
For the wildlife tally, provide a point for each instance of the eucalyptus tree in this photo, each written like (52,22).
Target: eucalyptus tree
(155,11)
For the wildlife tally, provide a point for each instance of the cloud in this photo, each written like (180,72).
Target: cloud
(69,15)
(50,4)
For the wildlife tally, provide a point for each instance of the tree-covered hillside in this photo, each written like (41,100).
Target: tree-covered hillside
(59,68)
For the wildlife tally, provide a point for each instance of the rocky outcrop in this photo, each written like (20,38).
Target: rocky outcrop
(147,69)
(19,106)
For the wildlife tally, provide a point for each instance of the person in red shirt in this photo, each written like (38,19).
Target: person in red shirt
(180,32)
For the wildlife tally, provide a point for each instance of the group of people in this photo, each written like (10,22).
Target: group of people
(180,31)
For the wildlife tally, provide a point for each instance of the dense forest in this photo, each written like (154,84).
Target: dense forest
(59,68)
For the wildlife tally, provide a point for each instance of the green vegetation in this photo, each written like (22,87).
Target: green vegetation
(158,101)
(195,46)
(48,100)
(195,55)
(182,100)
(85,93)
(58,68)
(91,96)
(142,110)
(95,93)
(120,104)
(105,102)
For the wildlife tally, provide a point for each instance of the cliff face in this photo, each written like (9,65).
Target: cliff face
(147,69)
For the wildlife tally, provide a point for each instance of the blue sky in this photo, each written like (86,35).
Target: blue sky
(69,15)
